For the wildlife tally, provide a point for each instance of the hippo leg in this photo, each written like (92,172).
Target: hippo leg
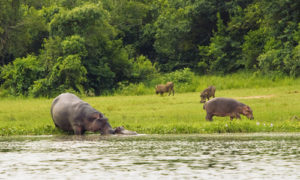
(78,130)
(238,116)
(209,117)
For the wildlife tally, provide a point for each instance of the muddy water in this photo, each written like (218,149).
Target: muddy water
(237,156)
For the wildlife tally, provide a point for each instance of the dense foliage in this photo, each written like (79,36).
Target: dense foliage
(94,47)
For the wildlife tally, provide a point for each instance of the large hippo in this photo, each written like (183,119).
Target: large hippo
(162,88)
(70,113)
(226,107)
(207,93)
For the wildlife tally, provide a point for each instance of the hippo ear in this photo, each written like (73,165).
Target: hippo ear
(246,109)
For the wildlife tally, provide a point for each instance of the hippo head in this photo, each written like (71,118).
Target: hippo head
(247,111)
(98,122)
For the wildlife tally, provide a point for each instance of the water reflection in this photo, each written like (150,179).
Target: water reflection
(254,156)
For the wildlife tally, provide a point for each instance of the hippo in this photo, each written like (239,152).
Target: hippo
(122,130)
(226,107)
(71,114)
(162,88)
(207,93)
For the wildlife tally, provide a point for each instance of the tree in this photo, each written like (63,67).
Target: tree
(20,75)
(22,30)
(219,56)
(106,60)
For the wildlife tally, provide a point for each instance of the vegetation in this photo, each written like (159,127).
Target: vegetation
(273,103)
(124,48)
(97,47)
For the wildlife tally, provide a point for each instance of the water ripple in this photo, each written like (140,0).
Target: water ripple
(151,157)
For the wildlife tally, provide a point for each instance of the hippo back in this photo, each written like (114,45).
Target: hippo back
(221,105)
(67,109)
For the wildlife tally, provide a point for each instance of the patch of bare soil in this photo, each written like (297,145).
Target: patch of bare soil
(256,97)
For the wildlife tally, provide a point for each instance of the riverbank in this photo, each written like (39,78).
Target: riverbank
(275,109)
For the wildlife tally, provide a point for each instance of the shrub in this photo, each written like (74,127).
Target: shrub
(67,75)
(142,69)
(20,75)
(180,76)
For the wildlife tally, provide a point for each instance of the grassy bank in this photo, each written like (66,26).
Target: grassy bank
(276,109)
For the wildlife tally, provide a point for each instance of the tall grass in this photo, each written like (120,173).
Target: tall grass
(187,81)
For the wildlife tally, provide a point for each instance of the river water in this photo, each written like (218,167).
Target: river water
(214,156)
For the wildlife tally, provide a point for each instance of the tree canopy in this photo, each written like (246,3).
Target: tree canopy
(91,46)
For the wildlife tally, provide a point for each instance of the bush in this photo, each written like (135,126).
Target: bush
(134,89)
(293,63)
(183,80)
(67,75)
(180,76)
(19,76)
(142,69)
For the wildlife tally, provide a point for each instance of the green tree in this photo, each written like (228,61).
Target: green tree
(20,75)
(22,30)
(219,56)
(106,60)
(142,70)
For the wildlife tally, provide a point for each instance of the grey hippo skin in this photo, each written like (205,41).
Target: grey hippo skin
(226,107)
(163,88)
(70,113)
(207,93)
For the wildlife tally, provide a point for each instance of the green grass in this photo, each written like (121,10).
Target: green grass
(279,111)
(187,81)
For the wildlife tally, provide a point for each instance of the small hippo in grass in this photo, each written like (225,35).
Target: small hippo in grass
(207,93)
(226,107)
(162,88)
